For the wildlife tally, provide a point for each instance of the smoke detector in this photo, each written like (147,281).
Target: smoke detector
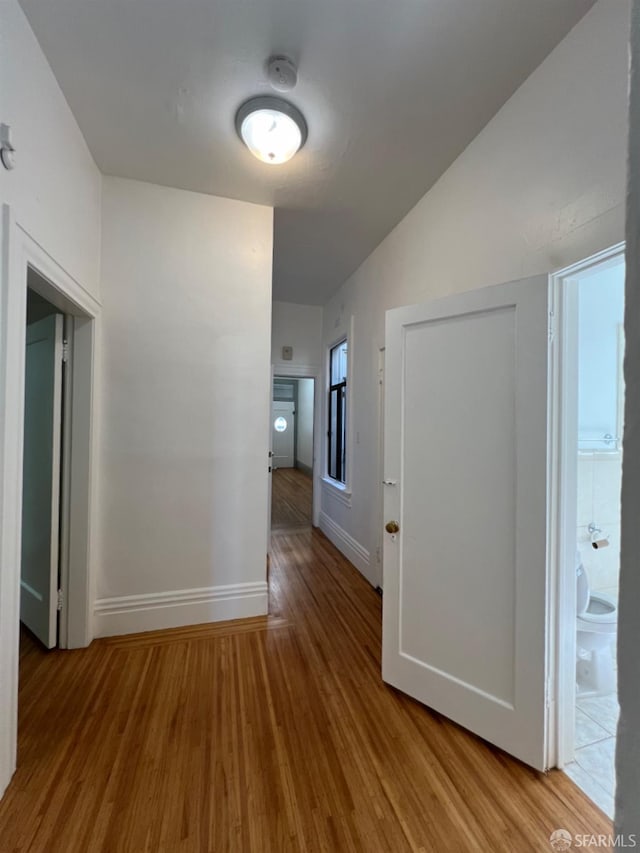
(282,73)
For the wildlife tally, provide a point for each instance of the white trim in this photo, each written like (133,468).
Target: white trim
(12,305)
(561,482)
(581,267)
(346,336)
(131,614)
(379,539)
(294,371)
(562,523)
(348,480)
(337,491)
(60,288)
(50,269)
(347,545)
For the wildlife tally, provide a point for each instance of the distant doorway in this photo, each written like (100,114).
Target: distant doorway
(292,422)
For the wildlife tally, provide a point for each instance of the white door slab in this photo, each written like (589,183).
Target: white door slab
(41,478)
(283,428)
(465,577)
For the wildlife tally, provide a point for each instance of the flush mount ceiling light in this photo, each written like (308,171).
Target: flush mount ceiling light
(271,128)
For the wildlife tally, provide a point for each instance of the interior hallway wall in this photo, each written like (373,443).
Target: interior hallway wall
(300,327)
(542,186)
(183,453)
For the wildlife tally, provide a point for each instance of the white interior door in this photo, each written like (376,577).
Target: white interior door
(465,576)
(270,471)
(283,434)
(41,478)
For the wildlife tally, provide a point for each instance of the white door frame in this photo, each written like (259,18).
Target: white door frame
(563,477)
(380,508)
(292,371)
(19,252)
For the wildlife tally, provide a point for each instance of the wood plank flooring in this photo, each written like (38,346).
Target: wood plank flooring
(271,734)
(291,498)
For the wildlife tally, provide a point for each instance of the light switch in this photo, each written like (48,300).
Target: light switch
(287,353)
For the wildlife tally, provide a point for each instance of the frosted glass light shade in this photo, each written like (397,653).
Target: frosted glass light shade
(272,129)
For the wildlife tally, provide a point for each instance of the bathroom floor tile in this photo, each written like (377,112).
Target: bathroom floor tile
(604,710)
(592,789)
(587,730)
(598,760)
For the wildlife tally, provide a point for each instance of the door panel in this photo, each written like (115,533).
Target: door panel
(41,478)
(283,434)
(465,577)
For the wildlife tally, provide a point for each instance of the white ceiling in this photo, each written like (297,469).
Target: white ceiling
(392,90)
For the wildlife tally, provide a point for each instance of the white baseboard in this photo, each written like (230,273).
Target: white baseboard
(347,545)
(131,614)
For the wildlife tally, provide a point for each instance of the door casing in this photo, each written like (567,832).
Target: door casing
(563,454)
(21,252)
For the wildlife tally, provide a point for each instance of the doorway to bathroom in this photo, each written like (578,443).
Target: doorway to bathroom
(588,318)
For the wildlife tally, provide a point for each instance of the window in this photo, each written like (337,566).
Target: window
(337,432)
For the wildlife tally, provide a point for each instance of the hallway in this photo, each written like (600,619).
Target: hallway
(291,499)
(270,734)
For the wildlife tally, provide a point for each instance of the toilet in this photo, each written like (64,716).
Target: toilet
(597,625)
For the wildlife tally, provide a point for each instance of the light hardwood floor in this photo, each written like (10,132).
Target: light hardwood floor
(291,498)
(272,734)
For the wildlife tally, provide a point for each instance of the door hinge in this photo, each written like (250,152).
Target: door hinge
(65,352)
(60,599)
(552,326)
(548,692)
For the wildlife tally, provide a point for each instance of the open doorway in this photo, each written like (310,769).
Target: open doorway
(292,443)
(27,266)
(591,306)
(44,458)
(57,450)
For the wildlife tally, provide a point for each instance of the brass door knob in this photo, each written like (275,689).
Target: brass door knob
(392,527)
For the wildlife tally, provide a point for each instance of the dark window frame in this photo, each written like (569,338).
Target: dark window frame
(336,468)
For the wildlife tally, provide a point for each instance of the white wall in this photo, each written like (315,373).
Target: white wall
(541,187)
(628,742)
(304,421)
(183,455)
(600,314)
(600,317)
(54,190)
(299,326)
(599,479)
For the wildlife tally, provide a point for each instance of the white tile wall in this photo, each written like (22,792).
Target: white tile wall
(599,479)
